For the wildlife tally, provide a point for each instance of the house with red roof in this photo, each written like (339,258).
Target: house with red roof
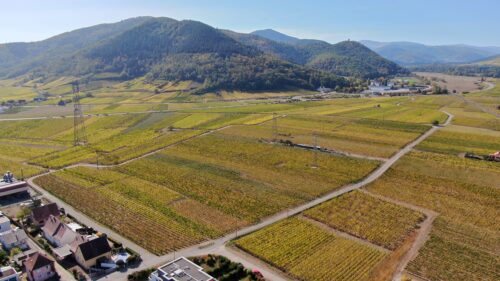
(39,267)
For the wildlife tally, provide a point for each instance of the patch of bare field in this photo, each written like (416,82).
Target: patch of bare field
(459,83)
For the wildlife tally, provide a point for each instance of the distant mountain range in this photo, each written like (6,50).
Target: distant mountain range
(167,49)
(409,53)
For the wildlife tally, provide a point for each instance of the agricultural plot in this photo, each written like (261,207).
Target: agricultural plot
(369,218)
(136,208)
(402,112)
(359,136)
(464,241)
(472,117)
(244,177)
(458,140)
(205,187)
(16,93)
(114,139)
(297,246)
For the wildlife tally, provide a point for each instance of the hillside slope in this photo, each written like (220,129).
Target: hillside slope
(167,49)
(346,58)
(18,58)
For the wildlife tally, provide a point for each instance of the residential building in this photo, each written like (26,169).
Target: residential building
(40,215)
(58,233)
(39,268)
(8,273)
(14,238)
(91,252)
(4,224)
(180,269)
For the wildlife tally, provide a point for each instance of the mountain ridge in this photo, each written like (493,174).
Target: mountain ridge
(411,53)
(168,49)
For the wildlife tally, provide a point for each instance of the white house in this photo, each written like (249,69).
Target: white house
(8,273)
(14,238)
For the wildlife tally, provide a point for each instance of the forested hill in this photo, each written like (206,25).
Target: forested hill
(19,58)
(167,49)
(348,58)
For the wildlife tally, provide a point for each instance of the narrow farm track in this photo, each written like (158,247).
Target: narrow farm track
(151,260)
(121,113)
(478,105)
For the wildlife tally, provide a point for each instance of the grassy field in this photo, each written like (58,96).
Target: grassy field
(369,218)
(308,252)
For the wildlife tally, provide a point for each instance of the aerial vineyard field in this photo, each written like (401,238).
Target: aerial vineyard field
(472,117)
(206,186)
(402,112)
(114,139)
(364,216)
(458,140)
(121,205)
(465,193)
(360,136)
(308,252)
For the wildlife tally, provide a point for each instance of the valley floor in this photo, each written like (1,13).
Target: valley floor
(245,180)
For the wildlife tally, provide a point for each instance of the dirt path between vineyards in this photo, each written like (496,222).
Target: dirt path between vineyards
(422,236)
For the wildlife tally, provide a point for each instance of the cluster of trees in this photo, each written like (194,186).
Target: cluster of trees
(463,70)
(438,90)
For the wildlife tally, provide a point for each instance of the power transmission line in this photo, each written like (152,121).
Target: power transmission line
(79,135)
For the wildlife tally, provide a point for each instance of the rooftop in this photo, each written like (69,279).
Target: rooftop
(7,271)
(44,212)
(94,248)
(182,269)
(37,261)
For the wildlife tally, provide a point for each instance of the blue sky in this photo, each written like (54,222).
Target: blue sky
(426,21)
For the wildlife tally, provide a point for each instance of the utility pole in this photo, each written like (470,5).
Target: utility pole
(79,136)
(315,144)
(275,126)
